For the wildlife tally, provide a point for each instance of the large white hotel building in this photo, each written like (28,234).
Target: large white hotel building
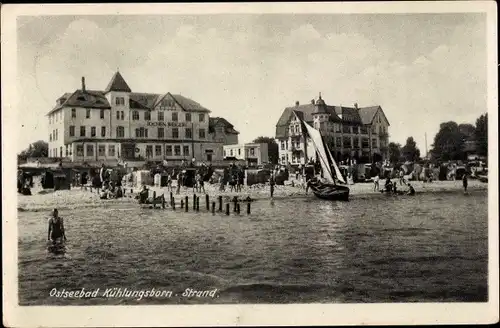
(118,124)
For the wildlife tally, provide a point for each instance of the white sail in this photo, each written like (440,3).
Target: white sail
(321,149)
(335,167)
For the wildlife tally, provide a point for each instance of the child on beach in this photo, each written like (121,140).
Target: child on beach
(56,228)
(465,182)
(376,183)
(271,185)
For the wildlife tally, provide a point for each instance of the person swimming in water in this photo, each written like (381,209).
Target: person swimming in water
(56,234)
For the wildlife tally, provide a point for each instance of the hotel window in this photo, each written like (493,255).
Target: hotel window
(149,151)
(374,143)
(175,117)
(177,150)
(120,132)
(147,115)
(189,133)
(161,116)
(135,115)
(224,153)
(231,153)
(175,133)
(102,150)
(120,101)
(73,113)
(168,150)
(102,114)
(347,142)
(356,142)
(141,133)
(67,152)
(92,131)
(111,150)
(346,129)
(202,117)
(338,142)
(282,145)
(239,152)
(157,150)
(87,114)
(79,150)
(364,130)
(252,151)
(365,143)
(71,130)
(186,150)
(202,133)
(188,117)
(82,131)
(118,115)
(50,136)
(161,133)
(90,150)
(122,115)
(103,131)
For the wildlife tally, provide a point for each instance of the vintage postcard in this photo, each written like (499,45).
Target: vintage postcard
(250,164)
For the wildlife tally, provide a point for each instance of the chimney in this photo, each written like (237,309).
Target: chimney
(297,103)
(356,105)
(83,83)
(313,102)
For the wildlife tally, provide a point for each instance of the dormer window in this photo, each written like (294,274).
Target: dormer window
(73,113)
(120,101)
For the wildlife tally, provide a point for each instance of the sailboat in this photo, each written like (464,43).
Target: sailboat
(329,187)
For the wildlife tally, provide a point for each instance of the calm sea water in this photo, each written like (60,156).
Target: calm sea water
(427,248)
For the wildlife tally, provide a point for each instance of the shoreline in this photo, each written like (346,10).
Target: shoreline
(43,200)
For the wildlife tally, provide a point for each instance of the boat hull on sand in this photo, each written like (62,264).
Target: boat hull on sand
(329,191)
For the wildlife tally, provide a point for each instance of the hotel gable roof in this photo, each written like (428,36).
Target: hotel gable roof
(137,100)
(340,114)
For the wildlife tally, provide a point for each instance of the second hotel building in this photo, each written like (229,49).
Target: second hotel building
(118,124)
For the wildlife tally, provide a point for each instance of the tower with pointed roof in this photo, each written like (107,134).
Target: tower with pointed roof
(118,95)
(320,115)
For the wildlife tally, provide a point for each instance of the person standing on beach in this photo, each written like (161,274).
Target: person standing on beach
(465,182)
(102,173)
(271,185)
(179,181)
(376,183)
(56,228)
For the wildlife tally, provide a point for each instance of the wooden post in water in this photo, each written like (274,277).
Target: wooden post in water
(154,199)
(227,209)
(163,201)
(248,208)
(220,203)
(235,205)
(173,203)
(194,202)
(213,207)
(171,197)
(186,205)
(238,208)
(182,203)
(198,204)
(207,201)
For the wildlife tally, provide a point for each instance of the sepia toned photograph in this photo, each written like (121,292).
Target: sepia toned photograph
(324,155)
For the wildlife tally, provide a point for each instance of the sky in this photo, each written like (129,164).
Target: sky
(422,69)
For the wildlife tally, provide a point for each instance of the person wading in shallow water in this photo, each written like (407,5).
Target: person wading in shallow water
(56,228)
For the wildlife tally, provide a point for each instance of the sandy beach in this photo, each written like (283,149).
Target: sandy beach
(47,199)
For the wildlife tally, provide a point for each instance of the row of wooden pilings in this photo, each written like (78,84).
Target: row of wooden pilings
(196,204)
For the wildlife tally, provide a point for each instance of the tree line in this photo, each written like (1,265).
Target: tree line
(452,142)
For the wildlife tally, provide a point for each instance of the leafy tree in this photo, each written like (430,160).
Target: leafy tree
(272,148)
(37,149)
(410,151)
(394,151)
(448,142)
(468,130)
(481,135)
